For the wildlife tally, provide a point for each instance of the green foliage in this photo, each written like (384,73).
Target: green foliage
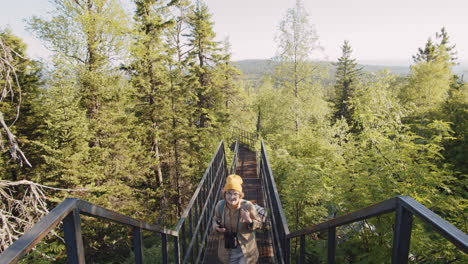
(295,76)
(434,51)
(456,113)
(428,86)
(85,32)
(427,54)
(398,139)
(19,98)
(63,140)
(136,138)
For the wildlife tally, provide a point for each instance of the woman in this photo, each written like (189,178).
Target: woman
(235,220)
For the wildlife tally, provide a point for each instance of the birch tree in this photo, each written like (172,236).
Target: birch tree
(296,74)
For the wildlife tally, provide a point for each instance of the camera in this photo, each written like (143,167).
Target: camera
(230,240)
(219,224)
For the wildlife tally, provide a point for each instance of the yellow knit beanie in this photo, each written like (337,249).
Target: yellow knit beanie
(233,182)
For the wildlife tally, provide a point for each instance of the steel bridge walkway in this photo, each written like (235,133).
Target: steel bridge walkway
(192,240)
(252,187)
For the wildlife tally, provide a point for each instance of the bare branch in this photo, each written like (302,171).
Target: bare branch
(22,204)
(15,152)
(8,75)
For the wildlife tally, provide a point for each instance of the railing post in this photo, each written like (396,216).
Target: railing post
(183,235)
(164,248)
(331,248)
(401,235)
(287,251)
(177,258)
(137,245)
(302,250)
(73,238)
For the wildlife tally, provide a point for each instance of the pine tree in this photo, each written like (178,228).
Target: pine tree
(203,57)
(198,73)
(347,75)
(441,50)
(427,54)
(95,35)
(227,78)
(181,130)
(63,138)
(112,165)
(150,77)
(161,110)
(443,38)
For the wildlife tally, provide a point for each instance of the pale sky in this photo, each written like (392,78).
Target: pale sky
(378,30)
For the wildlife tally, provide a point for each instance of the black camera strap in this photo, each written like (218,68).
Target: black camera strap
(223,219)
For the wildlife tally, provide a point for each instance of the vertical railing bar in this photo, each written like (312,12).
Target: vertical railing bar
(74,238)
(183,235)
(164,248)
(402,235)
(193,234)
(176,250)
(191,221)
(190,230)
(197,239)
(331,248)
(287,250)
(302,250)
(137,245)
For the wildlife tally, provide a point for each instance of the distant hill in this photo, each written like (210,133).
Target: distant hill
(255,69)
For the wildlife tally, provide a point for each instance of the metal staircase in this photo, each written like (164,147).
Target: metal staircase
(191,240)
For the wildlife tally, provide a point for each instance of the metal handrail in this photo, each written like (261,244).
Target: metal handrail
(233,168)
(404,207)
(280,228)
(244,138)
(192,229)
(194,225)
(69,212)
(195,222)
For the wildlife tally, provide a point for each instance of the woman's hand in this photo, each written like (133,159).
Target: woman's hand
(221,229)
(245,216)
